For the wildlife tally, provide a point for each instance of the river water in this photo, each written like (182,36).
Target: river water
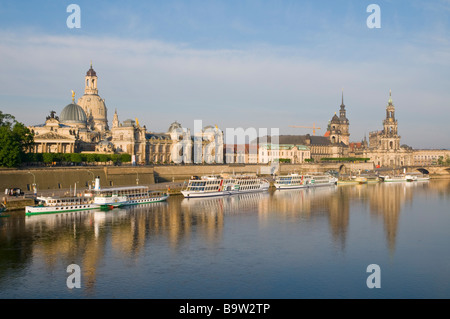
(289,244)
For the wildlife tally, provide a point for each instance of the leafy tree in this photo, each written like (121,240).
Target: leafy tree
(75,158)
(47,158)
(103,158)
(91,158)
(15,139)
(124,158)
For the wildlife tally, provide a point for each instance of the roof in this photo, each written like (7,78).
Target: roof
(298,140)
(73,113)
(157,136)
(91,72)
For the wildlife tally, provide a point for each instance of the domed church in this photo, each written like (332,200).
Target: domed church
(83,127)
(68,133)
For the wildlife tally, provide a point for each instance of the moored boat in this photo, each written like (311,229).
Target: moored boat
(417,177)
(216,185)
(128,195)
(393,178)
(322,180)
(49,205)
(292,181)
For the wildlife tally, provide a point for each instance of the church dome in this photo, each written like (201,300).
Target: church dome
(73,114)
(91,72)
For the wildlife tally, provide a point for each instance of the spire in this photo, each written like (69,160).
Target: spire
(390,96)
(73,97)
(342,96)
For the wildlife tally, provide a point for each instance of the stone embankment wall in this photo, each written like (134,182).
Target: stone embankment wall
(65,178)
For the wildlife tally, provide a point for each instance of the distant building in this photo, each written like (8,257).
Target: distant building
(291,153)
(429,157)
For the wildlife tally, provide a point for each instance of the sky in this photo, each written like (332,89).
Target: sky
(234,64)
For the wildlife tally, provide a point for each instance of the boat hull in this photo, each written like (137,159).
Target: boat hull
(188,194)
(284,186)
(38,210)
(128,202)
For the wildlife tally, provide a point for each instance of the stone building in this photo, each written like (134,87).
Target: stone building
(295,154)
(68,133)
(384,147)
(93,105)
(338,127)
(83,127)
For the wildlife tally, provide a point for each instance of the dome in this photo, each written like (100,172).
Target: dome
(91,72)
(73,114)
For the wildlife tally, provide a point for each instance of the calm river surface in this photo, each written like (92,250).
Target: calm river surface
(313,243)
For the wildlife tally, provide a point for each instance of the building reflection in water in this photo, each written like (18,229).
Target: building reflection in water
(85,238)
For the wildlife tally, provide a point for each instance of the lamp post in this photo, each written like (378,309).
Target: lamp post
(93,178)
(34,183)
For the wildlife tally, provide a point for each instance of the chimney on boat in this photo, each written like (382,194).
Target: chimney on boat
(97,183)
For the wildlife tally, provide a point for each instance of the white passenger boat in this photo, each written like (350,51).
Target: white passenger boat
(393,178)
(216,185)
(417,177)
(128,195)
(292,181)
(49,205)
(322,180)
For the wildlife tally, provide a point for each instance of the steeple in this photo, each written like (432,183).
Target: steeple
(342,112)
(390,109)
(115,121)
(92,103)
(91,81)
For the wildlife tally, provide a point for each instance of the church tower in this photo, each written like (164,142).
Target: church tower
(390,139)
(344,124)
(115,122)
(338,127)
(93,104)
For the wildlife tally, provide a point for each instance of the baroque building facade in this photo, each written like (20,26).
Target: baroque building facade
(384,148)
(83,127)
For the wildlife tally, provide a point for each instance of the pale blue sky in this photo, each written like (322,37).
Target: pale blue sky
(258,64)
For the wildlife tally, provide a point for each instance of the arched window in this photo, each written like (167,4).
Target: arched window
(391,144)
(87,82)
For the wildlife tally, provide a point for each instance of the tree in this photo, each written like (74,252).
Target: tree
(75,158)
(125,158)
(15,139)
(47,158)
(91,158)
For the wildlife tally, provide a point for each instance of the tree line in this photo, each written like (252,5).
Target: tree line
(75,158)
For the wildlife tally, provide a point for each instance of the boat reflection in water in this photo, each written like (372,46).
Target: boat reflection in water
(150,249)
(236,204)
